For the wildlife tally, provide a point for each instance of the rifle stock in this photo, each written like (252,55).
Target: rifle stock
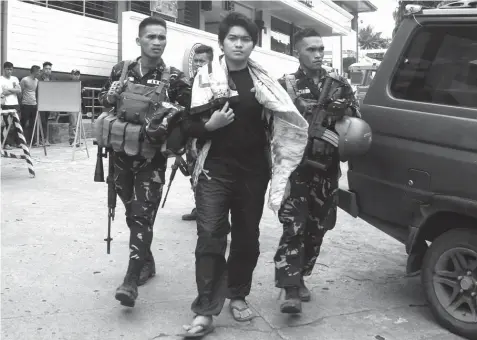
(315,129)
(99,170)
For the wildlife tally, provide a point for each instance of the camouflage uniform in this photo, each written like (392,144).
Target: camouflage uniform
(138,180)
(191,148)
(310,210)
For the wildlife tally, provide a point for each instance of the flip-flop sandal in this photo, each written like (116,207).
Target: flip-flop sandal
(205,329)
(234,309)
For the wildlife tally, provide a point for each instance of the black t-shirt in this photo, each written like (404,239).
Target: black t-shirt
(239,148)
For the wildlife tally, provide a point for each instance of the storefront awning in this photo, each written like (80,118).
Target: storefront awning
(357,6)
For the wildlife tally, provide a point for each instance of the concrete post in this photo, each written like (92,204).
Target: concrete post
(337,54)
(266,32)
(3,32)
(123,6)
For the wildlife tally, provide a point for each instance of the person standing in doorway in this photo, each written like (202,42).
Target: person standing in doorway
(10,91)
(45,115)
(29,106)
(73,116)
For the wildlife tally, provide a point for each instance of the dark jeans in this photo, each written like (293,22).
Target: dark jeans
(217,278)
(44,115)
(28,120)
(139,183)
(12,137)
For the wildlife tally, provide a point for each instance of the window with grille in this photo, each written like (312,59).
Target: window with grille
(103,10)
(187,12)
(143,7)
(282,36)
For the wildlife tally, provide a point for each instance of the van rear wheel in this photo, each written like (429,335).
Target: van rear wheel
(449,277)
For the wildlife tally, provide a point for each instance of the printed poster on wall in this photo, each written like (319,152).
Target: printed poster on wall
(164,7)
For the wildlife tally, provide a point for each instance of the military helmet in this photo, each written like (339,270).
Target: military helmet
(354,137)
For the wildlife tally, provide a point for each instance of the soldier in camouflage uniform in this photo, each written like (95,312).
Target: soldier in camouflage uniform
(310,210)
(202,55)
(139,180)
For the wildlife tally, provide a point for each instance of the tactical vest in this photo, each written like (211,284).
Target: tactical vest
(123,129)
(321,150)
(305,105)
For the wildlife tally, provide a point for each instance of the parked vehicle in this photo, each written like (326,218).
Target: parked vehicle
(361,75)
(418,182)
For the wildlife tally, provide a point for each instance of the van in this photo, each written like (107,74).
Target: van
(418,181)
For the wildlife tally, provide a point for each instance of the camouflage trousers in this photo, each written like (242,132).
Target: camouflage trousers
(307,214)
(139,183)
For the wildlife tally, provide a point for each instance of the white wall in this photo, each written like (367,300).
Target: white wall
(180,38)
(2,21)
(37,34)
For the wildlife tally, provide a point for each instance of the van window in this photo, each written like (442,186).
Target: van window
(440,66)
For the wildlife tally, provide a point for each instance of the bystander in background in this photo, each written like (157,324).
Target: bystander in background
(10,90)
(29,106)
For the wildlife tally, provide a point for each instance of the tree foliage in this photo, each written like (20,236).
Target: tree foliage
(398,13)
(369,39)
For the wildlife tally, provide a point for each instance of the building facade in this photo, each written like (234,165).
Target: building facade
(93,36)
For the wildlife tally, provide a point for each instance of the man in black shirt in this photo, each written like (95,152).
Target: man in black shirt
(139,180)
(234,179)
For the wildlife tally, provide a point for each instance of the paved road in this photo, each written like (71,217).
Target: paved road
(58,282)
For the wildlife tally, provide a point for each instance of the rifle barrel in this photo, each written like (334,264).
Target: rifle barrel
(111,199)
(167,193)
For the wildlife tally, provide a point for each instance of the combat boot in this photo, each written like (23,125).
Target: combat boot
(190,217)
(292,302)
(148,270)
(304,292)
(127,292)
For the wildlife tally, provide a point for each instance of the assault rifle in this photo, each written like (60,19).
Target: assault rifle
(99,177)
(180,164)
(317,133)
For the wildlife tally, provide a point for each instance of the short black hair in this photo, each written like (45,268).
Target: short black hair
(7,64)
(47,63)
(237,19)
(305,33)
(151,21)
(205,49)
(34,68)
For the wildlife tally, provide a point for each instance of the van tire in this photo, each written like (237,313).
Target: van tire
(438,255)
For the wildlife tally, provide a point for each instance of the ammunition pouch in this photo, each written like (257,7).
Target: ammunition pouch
(120,136)
(129,129)
(138,102)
